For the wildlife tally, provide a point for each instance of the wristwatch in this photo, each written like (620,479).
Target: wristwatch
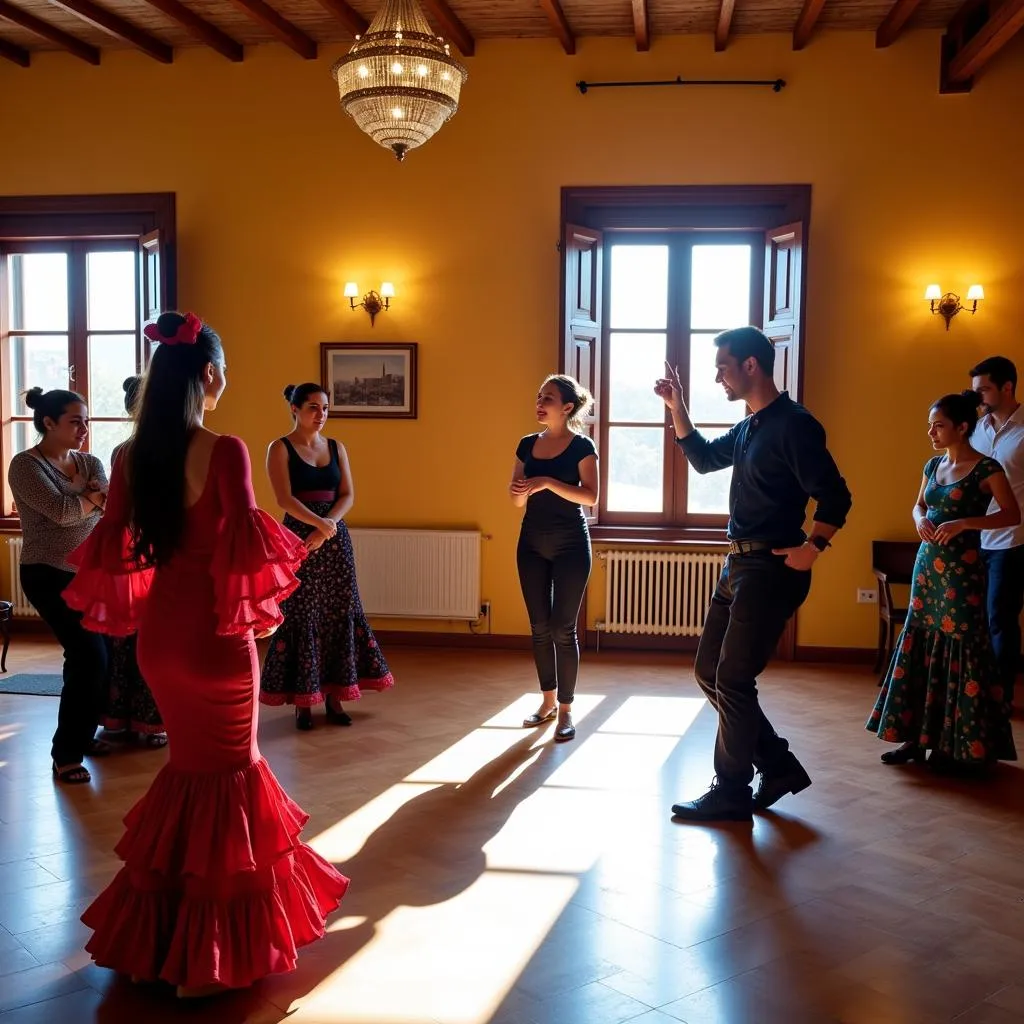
(819,542)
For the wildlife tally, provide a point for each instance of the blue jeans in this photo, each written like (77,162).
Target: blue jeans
(1005,601)
(755,598)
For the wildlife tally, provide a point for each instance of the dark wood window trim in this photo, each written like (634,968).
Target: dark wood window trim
(74,218)
(617,209)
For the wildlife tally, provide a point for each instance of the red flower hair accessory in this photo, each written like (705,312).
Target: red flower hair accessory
(186,333)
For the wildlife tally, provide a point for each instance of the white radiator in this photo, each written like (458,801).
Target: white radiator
(22,609)
(660,593)
(418,574)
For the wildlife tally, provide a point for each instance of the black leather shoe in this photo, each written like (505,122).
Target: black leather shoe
(790,777)
(903,755)
(337,715)
(303,719)
(717,804)
(565,731)
(540,717)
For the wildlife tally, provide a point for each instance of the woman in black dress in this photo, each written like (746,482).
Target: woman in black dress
(325,651)
(555,474)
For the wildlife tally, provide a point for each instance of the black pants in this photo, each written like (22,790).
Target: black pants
(755,598)
(85,662)
(1005,600)
(554,566)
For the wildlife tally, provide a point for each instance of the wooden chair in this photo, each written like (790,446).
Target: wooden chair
(892,562)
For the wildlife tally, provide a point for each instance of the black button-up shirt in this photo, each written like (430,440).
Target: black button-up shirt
(779,460)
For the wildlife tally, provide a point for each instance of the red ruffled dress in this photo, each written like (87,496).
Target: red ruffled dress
(216,884)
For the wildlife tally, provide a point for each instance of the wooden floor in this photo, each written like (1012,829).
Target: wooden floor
(499,878)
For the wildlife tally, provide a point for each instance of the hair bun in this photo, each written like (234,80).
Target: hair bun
(168,323)
(129,383)
(289,390)
(32,397)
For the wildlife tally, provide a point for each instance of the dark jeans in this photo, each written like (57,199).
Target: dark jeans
(1005,601)
(755,598)
(85,662)
(554,566)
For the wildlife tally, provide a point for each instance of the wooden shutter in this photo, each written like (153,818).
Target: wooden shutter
(583,272)
(783,294)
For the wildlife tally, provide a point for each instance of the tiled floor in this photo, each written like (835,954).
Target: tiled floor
(499,878)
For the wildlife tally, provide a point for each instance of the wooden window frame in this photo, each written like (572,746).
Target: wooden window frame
(38,223)
(616,210)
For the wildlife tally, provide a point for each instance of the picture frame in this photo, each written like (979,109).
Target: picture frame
(369,380)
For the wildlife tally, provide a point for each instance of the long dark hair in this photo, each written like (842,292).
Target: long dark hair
(171,404)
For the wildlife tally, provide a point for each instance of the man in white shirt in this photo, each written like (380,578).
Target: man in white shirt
(1000,434)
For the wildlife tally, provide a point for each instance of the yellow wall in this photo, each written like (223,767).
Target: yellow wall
(281,200)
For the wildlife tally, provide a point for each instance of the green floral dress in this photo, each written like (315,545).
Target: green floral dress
(942,690)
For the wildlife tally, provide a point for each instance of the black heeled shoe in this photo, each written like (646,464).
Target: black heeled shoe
(903,755)
(336,716)
(303,719)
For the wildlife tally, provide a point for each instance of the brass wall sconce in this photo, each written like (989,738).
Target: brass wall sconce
(373,302)
(948,305)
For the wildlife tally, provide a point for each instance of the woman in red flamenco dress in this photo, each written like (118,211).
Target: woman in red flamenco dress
(217,890)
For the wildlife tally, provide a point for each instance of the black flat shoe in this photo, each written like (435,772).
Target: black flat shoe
(903,755)
(303,719)
(540,717)
(565,732)
(337,716)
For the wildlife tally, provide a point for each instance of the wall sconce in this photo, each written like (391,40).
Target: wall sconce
(373,302)
(948,305)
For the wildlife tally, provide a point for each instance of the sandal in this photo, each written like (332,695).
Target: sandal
(72,774)
(99,748)
(155,740)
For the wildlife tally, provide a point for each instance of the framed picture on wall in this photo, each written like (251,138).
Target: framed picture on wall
(373,381)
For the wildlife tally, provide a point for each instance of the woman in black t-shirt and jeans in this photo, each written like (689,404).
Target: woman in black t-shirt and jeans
(554,476)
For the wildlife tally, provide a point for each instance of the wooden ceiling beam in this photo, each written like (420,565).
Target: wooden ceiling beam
(43,29)
(15,54)
(725,9)
(353,21)
(553,9)
(976,33)
(199,29)
(641,25)
(117,27)
(451,27)
(899,14)
(806,23)
(292,36)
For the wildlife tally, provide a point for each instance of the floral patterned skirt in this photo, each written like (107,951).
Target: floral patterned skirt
(325,646)
(130,703)
(943,693)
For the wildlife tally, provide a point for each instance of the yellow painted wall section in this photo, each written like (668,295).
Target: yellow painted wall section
(281,200)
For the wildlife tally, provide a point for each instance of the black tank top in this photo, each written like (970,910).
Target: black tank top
(304,477)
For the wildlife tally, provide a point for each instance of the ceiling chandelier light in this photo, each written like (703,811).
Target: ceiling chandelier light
(399,82)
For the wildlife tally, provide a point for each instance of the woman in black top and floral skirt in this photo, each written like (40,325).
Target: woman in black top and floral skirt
(555,474)
(325,651)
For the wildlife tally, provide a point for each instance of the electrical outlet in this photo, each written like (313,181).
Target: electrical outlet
(485,609)
(867,595)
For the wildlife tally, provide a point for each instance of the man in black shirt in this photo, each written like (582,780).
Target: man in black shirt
(779,459)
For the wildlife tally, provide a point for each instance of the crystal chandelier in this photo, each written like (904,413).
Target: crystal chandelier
(399,83)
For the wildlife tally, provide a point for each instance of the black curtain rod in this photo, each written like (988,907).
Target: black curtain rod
(777,84)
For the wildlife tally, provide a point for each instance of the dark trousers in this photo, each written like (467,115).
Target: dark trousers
(755,598)
(85,662)
(554,566)
(1005,601)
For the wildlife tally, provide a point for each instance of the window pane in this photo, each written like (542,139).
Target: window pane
(720,287)
(635,362)
(40,361)
(639,287)
(708,494)
(111,360)
(38,291)
(105,437)
(110,281)
(708,403)
(23,436)
(636,459)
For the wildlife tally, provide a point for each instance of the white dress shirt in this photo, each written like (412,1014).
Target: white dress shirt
(1006,446)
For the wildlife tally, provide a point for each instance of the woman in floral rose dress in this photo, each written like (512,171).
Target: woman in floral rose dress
(325,652)
(942,692)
